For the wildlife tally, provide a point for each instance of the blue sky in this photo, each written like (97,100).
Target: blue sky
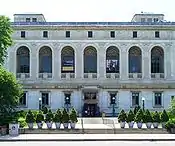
(88,10)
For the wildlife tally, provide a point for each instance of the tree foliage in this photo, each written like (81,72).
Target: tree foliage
(10,93)
(5,37)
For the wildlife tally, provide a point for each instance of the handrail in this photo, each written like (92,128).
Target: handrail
(82,125)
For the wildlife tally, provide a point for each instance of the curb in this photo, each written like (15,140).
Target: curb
(70,140)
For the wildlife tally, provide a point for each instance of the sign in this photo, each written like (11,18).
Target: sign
(68,65)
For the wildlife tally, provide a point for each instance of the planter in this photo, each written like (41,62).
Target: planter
(66,125)
(131,124)
(30,125)
(148,125)
(72,125)
(155,125)
(49,125)
(3,130)
(139,125)
(163,124)
(57,125)
(122,124)
(172,130)
(40,125)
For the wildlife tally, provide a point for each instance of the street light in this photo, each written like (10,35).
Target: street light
(40,103)
(113,105)
(143,103)
(67,102)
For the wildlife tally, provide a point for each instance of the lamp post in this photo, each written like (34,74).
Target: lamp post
(113,105)
(40,103)
(143,103)
(67,103)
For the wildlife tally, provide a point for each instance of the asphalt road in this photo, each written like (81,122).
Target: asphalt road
(101,143)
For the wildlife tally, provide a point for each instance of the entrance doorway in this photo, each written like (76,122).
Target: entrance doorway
(90,110)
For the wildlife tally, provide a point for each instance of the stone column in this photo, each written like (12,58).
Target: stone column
(124,63)
(56,63)
(34,62)
(146,62)
(101,63)
(12,61)
(79,66)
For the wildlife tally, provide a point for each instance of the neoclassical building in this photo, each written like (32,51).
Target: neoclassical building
(94,66)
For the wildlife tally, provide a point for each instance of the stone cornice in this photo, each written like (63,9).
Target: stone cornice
(121,27)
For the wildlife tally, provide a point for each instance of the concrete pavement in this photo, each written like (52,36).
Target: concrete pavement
(90,137)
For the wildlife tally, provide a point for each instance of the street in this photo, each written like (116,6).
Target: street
(102,143)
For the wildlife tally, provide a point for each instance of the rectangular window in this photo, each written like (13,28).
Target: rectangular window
(23,99)
(34,19)
(67,34)
(134,34)
(135,99)
(158,99)
(149,19)
(112,34)
(157,35)
(45,98)
(27,19)
(45,34)
(142,19)
(23,34)
(90,34)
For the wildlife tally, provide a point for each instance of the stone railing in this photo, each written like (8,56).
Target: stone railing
(45,75)
(135,75)
(157,75)
(23,75)
(67,75)
(112,75)
(90,75)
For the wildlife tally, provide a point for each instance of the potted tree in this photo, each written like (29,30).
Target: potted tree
(136,109)
(45,111)
(148,119)
(65,119)
(164,118)
(73,118)
(58,119)
(122,118)
(170,126)
(49,119)
(130,119)
(39,120)
(30,119)
(139,118)
(156,119)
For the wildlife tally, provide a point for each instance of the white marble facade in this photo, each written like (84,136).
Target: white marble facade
(123,83)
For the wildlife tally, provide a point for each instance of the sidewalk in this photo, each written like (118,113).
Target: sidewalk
(90,137)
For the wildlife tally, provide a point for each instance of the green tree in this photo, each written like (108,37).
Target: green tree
(10,92)
(5,37)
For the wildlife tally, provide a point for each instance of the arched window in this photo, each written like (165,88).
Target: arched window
(45,60)
(23,60)
(90,60)
(135,60)
(157,60)
(67,60)
(112,60)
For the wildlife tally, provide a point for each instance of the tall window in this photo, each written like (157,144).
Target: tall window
(23,34)
(158,99)
(157,34)
(157,60)
(90,60)
(112,34)
(23,99)
(45,60)
(135,99)
(67,34)
(134,34)
(45,34)
(23,60)
(135,60)
(67,60)
(112,60)
(90,34)
(45,98)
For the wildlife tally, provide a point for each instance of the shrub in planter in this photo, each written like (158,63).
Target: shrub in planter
(130,119)
(58,119)
(122,118)
(65,119)
(164,118)
(139,118)
(148,119)
(156,119)
(170,126)
(49,119)
(30,119)
(22,123)
(136,109)
(40,119)
(73,118)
